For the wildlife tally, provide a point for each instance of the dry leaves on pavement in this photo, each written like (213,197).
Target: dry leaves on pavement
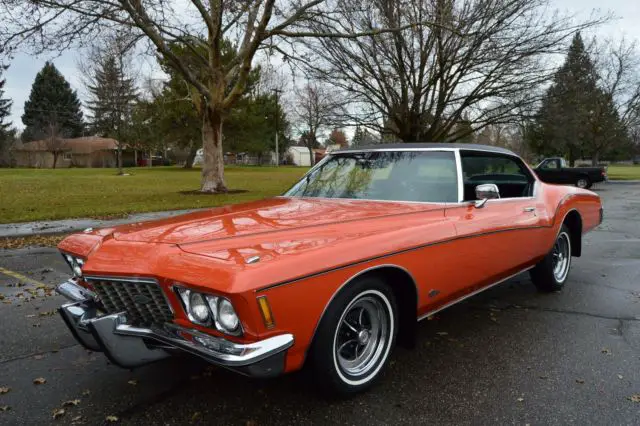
(111,419)
(33,240)
(39,381)
(71,403)
(4,389)
(58,412)
(635,397)
(4,408)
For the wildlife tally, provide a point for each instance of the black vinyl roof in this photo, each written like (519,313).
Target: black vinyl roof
(427,145)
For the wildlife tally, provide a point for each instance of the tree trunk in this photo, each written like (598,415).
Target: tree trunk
(595,158)
(119,159)
(135,158)
(312,156)
(213,161)
(55,159)
(150,160)
(193,151)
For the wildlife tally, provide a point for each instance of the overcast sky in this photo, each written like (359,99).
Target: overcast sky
(24,68)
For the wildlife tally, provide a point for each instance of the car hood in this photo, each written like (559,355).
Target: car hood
(261,217)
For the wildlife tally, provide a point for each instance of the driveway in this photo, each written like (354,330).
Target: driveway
(506,356)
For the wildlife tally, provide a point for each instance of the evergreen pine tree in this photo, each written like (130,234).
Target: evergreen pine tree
(577,118)
(112,97)
(52,107)
(5,105)
(7,135)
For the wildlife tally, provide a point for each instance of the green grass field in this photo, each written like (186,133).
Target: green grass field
(38,194)
(624,172)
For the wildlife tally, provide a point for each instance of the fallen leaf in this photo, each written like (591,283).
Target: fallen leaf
(111,419)
(58,412)
(31,316)
(195,416)
(86,392)
(520,399)
(76,419)
(635,397)
(581,381)
(4,390)
(39,381)
(544,377)
(133,382)
(606,351)
(38,356)
(4,408)
(620,376)
(71,403)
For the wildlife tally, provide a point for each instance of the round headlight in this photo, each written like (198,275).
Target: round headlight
(77,267)
(198,308)
(227,315)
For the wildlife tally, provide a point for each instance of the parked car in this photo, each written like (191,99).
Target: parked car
(156,160)
(331,274)
(555,170)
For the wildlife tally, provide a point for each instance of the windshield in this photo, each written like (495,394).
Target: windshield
(427,176)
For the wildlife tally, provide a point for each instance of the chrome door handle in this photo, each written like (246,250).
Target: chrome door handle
(529,209)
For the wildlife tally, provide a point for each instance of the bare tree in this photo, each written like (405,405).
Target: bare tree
(618,65)
(316,108)
(481,62)
(53,142)
(201,26)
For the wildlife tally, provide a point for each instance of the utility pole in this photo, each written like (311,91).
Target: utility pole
(277,92)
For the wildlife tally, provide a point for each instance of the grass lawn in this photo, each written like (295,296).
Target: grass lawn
(37,194)
(620,172)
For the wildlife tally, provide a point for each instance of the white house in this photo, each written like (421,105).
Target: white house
(300,155)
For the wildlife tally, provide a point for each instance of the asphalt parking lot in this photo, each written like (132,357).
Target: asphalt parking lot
(507,356)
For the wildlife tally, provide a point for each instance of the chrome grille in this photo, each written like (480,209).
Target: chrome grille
(129,296)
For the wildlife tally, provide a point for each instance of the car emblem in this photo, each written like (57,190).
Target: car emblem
(141,299)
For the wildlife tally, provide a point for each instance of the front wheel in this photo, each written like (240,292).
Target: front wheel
(355,337)
(552,271)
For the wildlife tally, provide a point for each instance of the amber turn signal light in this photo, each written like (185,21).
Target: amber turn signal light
(265,310)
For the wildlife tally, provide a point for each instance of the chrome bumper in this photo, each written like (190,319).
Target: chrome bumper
(128,346)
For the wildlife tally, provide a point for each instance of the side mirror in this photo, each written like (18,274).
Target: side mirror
(484,192)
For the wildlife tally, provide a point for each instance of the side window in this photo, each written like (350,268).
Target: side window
(550,164)
(508,173)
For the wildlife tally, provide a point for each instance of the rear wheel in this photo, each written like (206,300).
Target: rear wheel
(355,337)
(583,182)
(552,271)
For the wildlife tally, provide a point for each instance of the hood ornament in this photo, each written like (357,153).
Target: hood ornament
(252,259)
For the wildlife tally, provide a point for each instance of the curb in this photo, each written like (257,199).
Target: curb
(53,227)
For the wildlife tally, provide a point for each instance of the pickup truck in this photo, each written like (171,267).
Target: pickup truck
(555,170)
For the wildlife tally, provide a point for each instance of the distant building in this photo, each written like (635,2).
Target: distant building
(77,152)
(299,155)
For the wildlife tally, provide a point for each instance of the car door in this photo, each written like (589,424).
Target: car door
(500,238)
(549,170)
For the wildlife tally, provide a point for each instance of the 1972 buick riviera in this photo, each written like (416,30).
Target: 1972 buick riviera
(331,274)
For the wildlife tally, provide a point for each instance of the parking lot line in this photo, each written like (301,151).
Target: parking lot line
(20,277)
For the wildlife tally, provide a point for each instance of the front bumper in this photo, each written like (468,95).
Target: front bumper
(128,346)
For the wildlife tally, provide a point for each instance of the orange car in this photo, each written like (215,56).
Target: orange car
(331,274)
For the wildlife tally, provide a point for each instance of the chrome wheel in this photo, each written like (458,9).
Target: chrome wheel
(582,183)
(363,337)
(561,257)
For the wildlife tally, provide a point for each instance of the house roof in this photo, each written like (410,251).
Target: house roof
(84,145)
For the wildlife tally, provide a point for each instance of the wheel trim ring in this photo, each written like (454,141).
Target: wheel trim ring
(365,353)
(561,257)
(582,183)
(380,360)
